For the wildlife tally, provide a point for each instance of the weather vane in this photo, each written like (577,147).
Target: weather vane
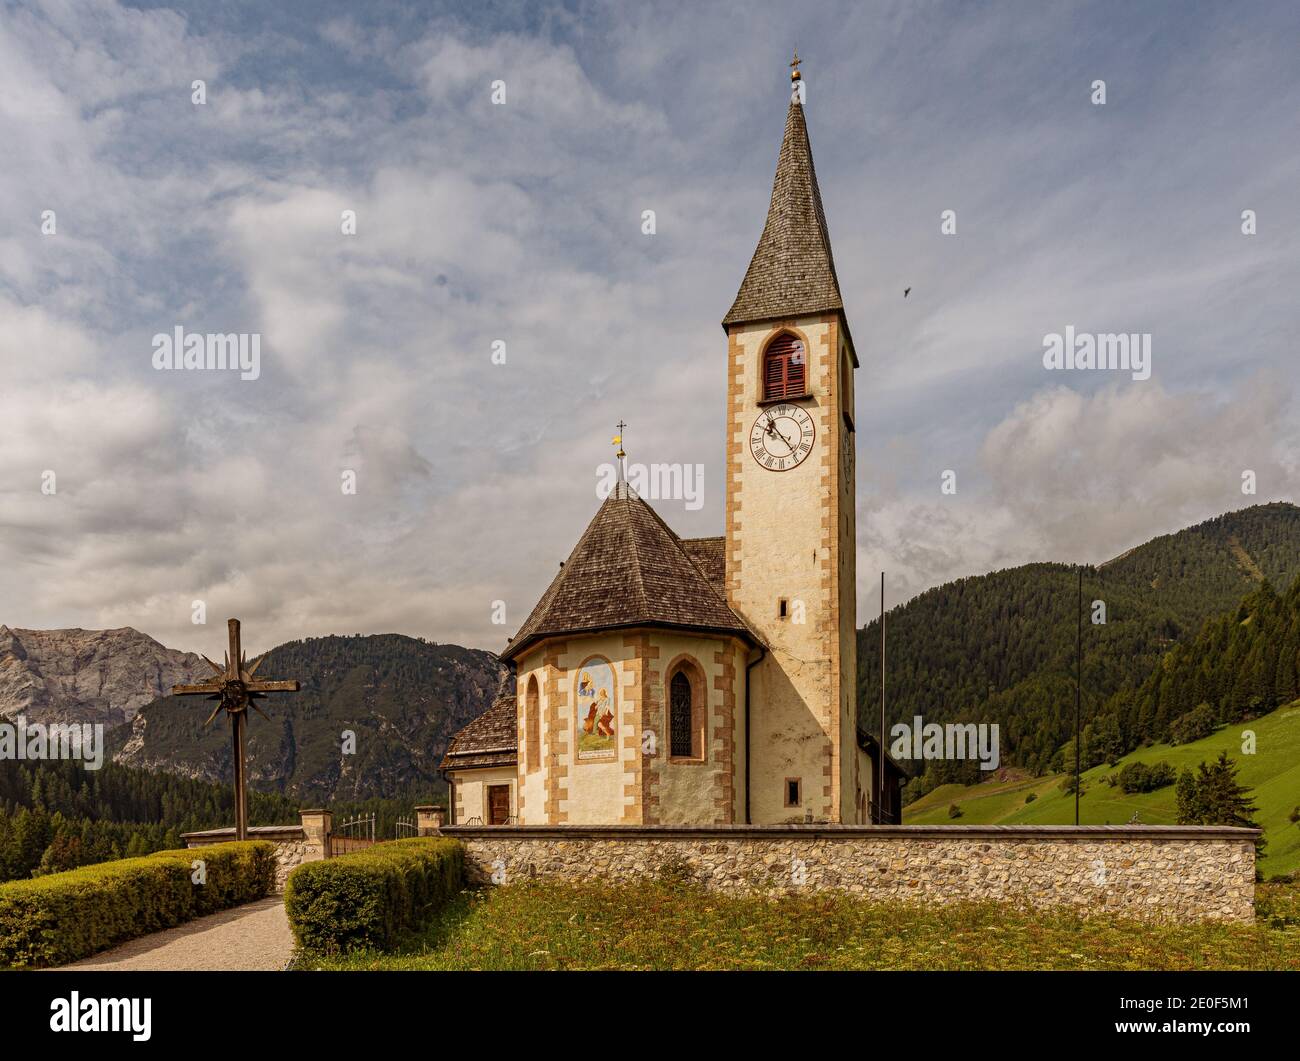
(617,440)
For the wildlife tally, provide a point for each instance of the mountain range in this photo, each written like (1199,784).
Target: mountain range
(373,718)
(401,698)
(999,647)
(96,676)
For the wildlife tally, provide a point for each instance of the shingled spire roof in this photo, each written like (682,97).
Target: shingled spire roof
(629,569)
(792,272)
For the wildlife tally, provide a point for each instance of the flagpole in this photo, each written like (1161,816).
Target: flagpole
(880,764)
(1078,694)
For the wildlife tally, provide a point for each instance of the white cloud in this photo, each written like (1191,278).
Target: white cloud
(1070,477)
(521,223)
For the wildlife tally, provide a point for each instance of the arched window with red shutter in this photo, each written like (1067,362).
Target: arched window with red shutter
(784,368)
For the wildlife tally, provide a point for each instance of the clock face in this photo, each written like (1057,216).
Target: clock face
(782,437)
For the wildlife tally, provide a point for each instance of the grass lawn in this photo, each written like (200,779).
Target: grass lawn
(660,925)
(1272,774)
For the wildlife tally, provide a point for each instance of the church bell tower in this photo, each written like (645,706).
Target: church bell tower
(790,540)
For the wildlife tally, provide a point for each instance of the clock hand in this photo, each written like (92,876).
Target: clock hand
(772,430)
(781,435)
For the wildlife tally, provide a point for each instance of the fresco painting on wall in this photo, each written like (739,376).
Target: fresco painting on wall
(596,714)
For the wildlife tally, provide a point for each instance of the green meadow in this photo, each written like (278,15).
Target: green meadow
(1272,774)
(654,924)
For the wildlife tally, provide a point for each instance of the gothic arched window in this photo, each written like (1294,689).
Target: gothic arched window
(785,368)
(680,716)
(686,711)
(532,727)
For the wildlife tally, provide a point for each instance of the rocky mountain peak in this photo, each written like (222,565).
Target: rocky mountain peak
(96,676)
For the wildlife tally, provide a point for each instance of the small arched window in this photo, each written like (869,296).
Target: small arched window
(532,727)
(681,717)
(785,368)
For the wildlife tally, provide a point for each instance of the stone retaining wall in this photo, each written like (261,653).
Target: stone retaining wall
(1150,872)
(294,844)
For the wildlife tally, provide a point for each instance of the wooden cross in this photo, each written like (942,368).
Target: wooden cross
(235,689)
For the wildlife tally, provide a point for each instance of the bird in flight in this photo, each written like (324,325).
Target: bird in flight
(906,291)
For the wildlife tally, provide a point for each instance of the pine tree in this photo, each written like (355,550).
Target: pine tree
(1212,796)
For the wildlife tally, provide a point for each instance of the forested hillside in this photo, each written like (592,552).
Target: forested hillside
(58,815)
(1241,665)
(400,698)
(1001,647)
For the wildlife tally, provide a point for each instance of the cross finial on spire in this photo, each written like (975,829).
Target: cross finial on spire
(617,440)
(794,66)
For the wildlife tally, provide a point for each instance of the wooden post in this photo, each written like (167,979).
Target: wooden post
(237,734)
(241,802)
(234,688)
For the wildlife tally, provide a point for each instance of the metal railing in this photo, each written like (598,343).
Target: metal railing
(353,834)
(362,827)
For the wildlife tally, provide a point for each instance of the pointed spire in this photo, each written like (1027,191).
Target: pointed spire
(792,272)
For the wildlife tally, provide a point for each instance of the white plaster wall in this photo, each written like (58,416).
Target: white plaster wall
(471,791)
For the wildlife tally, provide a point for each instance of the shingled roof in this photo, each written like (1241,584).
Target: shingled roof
(792,272)
(490,740)
(710,556)
(629,569)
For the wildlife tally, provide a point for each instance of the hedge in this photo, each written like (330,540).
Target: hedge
(370,898)
(62,917)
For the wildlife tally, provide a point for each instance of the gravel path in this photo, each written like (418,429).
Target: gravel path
(253,936)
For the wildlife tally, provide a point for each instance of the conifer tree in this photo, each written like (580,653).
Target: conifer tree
(1212,796)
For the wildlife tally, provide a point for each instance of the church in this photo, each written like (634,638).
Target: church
(710,681)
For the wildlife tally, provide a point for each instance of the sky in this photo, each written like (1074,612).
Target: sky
(521,223)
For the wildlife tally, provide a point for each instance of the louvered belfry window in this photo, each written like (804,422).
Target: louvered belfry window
(784,367)
(679,715)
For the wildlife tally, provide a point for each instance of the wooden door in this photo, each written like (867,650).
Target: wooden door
(498,804)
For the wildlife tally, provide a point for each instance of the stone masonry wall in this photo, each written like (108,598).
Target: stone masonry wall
(289,855)
(1147,872)
(292,846)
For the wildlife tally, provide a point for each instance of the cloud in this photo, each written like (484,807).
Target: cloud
(1096,475)
(521,223)
(1072,478)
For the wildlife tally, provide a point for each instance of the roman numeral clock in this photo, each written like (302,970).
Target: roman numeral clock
(782,437)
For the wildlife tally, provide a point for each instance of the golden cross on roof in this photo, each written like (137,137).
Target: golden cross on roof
(794,66)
